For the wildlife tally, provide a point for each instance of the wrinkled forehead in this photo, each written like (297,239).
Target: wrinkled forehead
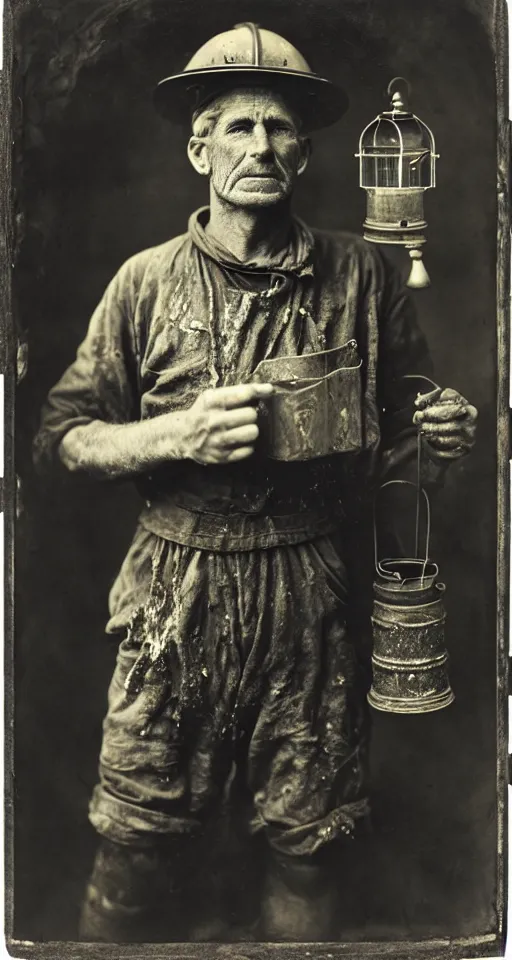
(254,104)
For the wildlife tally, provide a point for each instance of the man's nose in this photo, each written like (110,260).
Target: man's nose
(261,146)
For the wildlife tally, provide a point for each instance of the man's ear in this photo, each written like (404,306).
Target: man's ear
(198,155)
(305,153)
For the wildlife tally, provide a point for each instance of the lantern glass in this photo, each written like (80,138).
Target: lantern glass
(397,151)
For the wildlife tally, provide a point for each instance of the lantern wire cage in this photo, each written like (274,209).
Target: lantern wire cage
(397,151)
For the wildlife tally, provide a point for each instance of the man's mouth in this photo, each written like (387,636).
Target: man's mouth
(260,176)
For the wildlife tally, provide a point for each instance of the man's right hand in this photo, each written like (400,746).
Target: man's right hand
(221,426)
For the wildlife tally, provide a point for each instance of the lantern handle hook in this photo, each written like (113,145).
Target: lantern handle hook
(419,376)
(421,491)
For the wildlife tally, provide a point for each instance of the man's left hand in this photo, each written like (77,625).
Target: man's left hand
(447,422)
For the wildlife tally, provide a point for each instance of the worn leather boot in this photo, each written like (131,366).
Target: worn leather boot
(225,887)
(132,896)
(299,901)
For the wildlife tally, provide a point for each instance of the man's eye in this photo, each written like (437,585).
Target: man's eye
(239,128)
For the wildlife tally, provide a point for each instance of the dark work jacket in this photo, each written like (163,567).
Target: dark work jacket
(184,316)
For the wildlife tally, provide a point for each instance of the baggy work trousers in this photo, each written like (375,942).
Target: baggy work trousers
(237,659)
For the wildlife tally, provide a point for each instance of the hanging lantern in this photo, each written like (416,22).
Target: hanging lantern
(397,161)
(409,658)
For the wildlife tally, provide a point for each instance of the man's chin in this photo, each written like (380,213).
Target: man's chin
(257,198)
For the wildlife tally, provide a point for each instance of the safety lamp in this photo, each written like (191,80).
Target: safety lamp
(397,163)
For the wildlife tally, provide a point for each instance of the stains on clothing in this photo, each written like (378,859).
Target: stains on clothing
(237,658)
(232,597)
(183,317)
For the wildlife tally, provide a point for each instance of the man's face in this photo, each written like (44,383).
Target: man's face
(255,151)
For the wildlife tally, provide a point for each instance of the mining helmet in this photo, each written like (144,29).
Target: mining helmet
(248,56)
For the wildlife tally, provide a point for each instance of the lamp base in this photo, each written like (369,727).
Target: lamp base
(426,704)
(395,215)
(411,235)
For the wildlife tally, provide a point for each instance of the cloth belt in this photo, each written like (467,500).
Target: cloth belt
(230,532)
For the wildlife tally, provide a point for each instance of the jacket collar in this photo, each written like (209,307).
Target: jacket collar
(296,259)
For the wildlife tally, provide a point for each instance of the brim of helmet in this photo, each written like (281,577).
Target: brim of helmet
(318,102)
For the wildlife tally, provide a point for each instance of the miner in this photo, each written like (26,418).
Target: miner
(236,660)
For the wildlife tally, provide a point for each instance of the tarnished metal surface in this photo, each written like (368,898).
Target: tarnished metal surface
(395,216)
(307,366)
(316,408)
(248,55)
(409,659)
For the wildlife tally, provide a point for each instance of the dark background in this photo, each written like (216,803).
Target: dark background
(99,176)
